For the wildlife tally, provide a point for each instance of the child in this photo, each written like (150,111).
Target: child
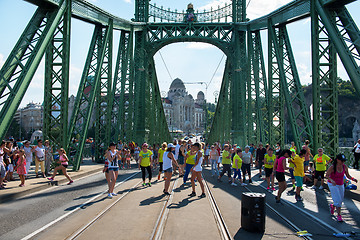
(128,157)
(299,173)
(237,162)
(21,167)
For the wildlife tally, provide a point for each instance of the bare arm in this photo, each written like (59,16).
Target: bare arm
(348,175)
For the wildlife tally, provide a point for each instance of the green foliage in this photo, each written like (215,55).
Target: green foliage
(346,89)
(14,130)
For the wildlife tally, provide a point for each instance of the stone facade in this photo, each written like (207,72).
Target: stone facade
(30,117)
(182,111)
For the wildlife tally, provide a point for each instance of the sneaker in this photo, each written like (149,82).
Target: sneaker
(113,194)
(109,195)
(321,187)
(273,189)
(149,184)
(268,188)
(167,194)
(339,218)
(298,198)
(277,200)
(230,181)
(202,195)
(243,184)
(51,179)
(332,209)
(193,194)
(234,184)
(302,189)
(70,182)
(313,187)
(144,184)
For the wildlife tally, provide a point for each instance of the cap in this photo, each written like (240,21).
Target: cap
(341,157)
(145,145)
(170,145)
(247,146)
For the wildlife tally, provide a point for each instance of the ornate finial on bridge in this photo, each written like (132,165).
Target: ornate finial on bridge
(190,16)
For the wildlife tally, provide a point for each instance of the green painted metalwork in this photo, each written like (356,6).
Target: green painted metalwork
(122,96)
(345,36)
(275,91)
(103,98)
(142,10)
(20,66)
(291,87)
(56,91)
(324,83)
(85,98)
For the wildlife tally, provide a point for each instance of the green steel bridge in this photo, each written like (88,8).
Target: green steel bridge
(127,102)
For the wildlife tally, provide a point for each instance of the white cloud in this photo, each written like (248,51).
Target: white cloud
(127,1)
(199,45)
(214,4)
(304,73)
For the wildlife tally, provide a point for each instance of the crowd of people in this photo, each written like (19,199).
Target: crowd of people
(185,158)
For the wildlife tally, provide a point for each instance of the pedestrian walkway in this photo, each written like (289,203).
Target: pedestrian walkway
(33,184)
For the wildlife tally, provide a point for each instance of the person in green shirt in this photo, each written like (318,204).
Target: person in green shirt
(291,167)
(321,160)
(145,163)
(226,162)
(269,160)
(237,162)
(161,152)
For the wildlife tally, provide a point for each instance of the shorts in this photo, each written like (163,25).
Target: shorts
(291,173)
(114,169)
(268,172)
(299,181)
(306,163)
(246,168)
(280,176)
(2,170)
(260,163)
(319,174)
(11,167)
(169,170)
(181,160)
(107,170)
(65,166)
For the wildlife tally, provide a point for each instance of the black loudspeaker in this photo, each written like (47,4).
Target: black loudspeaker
(253,212)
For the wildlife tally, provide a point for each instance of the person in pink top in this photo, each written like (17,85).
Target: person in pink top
(279,169)
(335,175)
(21,167)
(63,159)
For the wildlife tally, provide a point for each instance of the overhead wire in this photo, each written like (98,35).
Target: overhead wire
(216,69)
(248,3)
(165,66)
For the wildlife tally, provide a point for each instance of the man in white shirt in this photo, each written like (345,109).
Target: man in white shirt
(357,154)
(39,151)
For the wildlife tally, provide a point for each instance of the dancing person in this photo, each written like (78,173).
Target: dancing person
(2,165)
(307,155)
(237,162)
(226,162)
(145,163)
(298,162)
(321,161)
(181,158)
(48,156)
(291,168)
(214,157)
(189,163)
(247,158)
(260,154)
(269,160)
(64,162)
(29,157)
(112,156)
(293,146)
(196,171)
(335,175)
(280,167)
(207,154)
(356,151)
(106,171)
(168,162)
(39,150)
(277,149)
(162,150)
(21,167)
(8,159)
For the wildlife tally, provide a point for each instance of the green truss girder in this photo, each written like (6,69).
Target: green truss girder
(221,124)
(345,36)
(142,10)
(257,92)
(20,66)
(103,97)
(123,93)
(56,91)
(297,110)
(325,90)
(85,98)
(276,99)
(239,10)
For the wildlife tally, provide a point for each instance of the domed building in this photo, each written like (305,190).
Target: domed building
(182,111)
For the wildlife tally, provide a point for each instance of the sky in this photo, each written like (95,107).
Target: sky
(191,62)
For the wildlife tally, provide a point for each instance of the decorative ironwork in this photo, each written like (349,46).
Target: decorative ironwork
(218,15)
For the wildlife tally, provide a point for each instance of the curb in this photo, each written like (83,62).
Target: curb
(12,196)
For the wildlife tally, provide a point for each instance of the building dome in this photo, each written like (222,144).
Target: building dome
(177,83)
(200,95)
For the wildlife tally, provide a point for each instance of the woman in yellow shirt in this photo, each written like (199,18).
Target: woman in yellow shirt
(237,162)
(145,163)
(161,151)
(189,163)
